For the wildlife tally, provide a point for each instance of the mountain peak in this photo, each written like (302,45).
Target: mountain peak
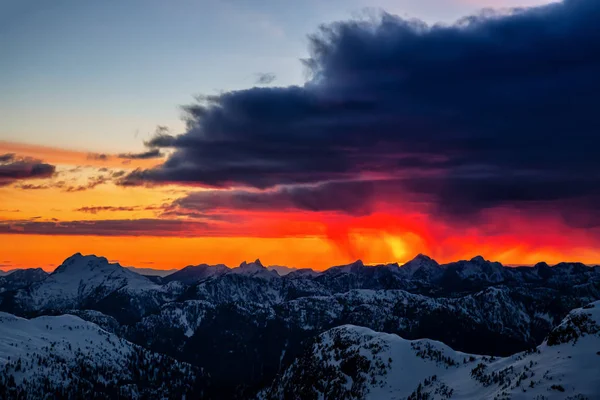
(478,259)
(421,266)
(82,278)
(348,268)
(423,258)
(255,264)
(78,262)
(255,268)
(195,273)
(357,263)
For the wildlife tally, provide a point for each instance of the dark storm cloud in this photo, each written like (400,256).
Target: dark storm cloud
(347,197)
(492,110)
(13,169)
(154,153)
(265,78)
(161,140)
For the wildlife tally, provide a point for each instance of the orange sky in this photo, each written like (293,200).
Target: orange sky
(131,225)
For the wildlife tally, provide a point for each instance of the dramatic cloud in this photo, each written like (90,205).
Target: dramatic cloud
(13,169)
(347,197)
(155,153)
(495,110)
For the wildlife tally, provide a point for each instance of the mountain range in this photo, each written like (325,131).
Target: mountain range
(248,329)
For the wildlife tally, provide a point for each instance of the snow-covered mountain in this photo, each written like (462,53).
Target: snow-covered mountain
(80,278)
(82,282)
(197,273)
(67,357)
(21,278)
(260,338)
(245,325)
(421,275)
(255,269)
(351,362)
(508,319)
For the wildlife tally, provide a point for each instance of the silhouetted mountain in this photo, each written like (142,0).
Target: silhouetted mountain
(21,278)
(152,271)
(194,273)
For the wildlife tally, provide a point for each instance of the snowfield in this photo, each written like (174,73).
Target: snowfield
(68,355)
(353,362)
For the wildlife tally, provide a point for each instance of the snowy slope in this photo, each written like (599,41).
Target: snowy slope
(183,317)
(68,355)
(197,273)
(462,321)
(80,278)
(92,282)
(352,362)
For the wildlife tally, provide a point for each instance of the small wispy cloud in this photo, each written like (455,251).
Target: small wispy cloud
(154,153)
(265,78)
(98,156)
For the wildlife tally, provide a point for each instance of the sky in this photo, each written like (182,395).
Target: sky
(162,134)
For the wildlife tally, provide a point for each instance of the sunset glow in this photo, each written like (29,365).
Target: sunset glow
(288,237)
(362,151)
